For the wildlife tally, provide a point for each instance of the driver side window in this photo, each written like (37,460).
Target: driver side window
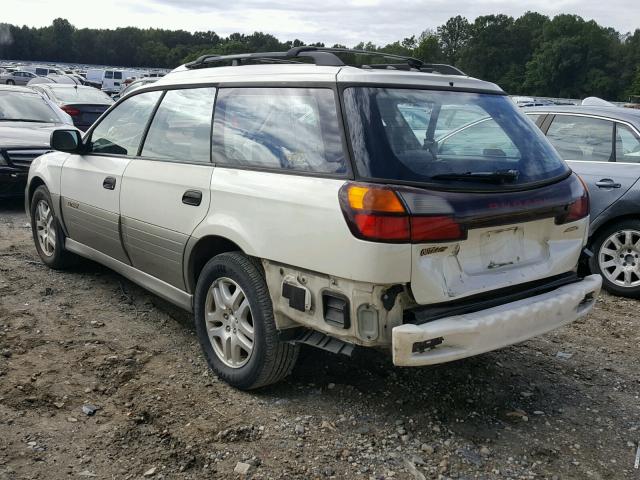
(120,132)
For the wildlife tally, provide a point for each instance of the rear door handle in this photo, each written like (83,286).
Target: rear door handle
(192,197)
(109,183)
(607,183)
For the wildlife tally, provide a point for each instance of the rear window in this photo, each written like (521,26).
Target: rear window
(278,128)
(86,95)
(429,136)
(26,107)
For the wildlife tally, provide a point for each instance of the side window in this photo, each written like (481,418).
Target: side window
(108,74)
(278,128)
(627,145)
(582,138)
(181,127)
(120,132)
(117,75)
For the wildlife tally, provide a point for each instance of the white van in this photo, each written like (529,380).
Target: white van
(112,80)
(42,71)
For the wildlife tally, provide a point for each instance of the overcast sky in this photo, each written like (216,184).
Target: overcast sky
(330,21)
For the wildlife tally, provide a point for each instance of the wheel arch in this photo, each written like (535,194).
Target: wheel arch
(609,222)
(199,251)
(34,183)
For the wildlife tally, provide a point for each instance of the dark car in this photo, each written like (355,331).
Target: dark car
(602,145)
(26,123)
(84,104)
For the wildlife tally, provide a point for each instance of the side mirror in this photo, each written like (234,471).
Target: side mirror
(66,140)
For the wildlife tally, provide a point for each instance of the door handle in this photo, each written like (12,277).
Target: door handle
(192,197)
(109,183)
(607,183)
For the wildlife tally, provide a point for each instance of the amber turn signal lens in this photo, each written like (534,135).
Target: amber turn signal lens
(374,199)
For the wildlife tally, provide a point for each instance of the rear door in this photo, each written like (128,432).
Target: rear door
(587,144)
(166,191)
(91,183)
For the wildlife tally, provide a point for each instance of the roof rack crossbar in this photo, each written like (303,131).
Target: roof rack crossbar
(323,56)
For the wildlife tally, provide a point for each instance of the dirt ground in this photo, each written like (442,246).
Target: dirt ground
(563,406)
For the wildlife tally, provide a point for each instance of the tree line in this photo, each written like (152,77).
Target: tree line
(563,56)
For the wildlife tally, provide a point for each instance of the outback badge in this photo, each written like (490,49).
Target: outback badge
(430,250)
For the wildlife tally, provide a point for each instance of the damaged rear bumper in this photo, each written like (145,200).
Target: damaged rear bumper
(474,333)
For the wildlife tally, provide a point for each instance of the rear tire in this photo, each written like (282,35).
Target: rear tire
(235,324)
(47,232)
(616,257)
(10,82)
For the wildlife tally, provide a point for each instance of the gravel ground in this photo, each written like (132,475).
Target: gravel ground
(101,379)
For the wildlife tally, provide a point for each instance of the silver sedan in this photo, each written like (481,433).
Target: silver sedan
(18,77)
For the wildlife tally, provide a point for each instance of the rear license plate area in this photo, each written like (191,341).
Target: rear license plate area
(502,248)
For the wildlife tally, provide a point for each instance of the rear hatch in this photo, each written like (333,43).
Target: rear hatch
(486,201)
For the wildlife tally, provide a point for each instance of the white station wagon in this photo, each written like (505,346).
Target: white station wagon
(288,198)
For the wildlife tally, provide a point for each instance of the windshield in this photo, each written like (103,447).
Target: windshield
(446,137)
(25,107)
(87,95)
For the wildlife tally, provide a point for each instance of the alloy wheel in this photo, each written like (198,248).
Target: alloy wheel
(45,228)
(229,322)
(619,258)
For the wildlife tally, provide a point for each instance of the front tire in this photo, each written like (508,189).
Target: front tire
(235,324)
(616,257)
(47,232)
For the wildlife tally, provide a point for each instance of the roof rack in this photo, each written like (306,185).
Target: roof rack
(323,56)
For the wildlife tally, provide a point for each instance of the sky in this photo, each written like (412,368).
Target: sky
(330,21)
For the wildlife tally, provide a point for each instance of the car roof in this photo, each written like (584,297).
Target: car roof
(64,85)
(615,113)
(15,88)
(309,73)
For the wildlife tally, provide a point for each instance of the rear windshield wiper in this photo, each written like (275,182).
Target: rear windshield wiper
(498,176)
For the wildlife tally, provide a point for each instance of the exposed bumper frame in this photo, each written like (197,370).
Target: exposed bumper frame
(474,333)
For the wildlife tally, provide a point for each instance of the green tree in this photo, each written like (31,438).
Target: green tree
(454,35)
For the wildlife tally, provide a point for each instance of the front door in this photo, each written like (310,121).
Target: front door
(166,191)
(91,182)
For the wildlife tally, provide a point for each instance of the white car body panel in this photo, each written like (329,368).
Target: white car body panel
(297,220)
(496,257)
(165,182)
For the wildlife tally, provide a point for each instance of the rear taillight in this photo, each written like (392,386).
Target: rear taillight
(576,210)
(74,112)
(376,213)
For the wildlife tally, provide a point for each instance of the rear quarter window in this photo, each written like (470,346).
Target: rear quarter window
(293,129)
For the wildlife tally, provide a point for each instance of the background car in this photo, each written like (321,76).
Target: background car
(83,104)
(131,86)
(26,122)
(602,145)
(19,77)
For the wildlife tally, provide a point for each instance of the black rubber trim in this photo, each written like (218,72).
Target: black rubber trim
(482,301)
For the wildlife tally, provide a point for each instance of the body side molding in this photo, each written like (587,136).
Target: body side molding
(160,288)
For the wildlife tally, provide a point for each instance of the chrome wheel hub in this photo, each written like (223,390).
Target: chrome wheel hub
(45,229)
(619,258)
(229,322)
